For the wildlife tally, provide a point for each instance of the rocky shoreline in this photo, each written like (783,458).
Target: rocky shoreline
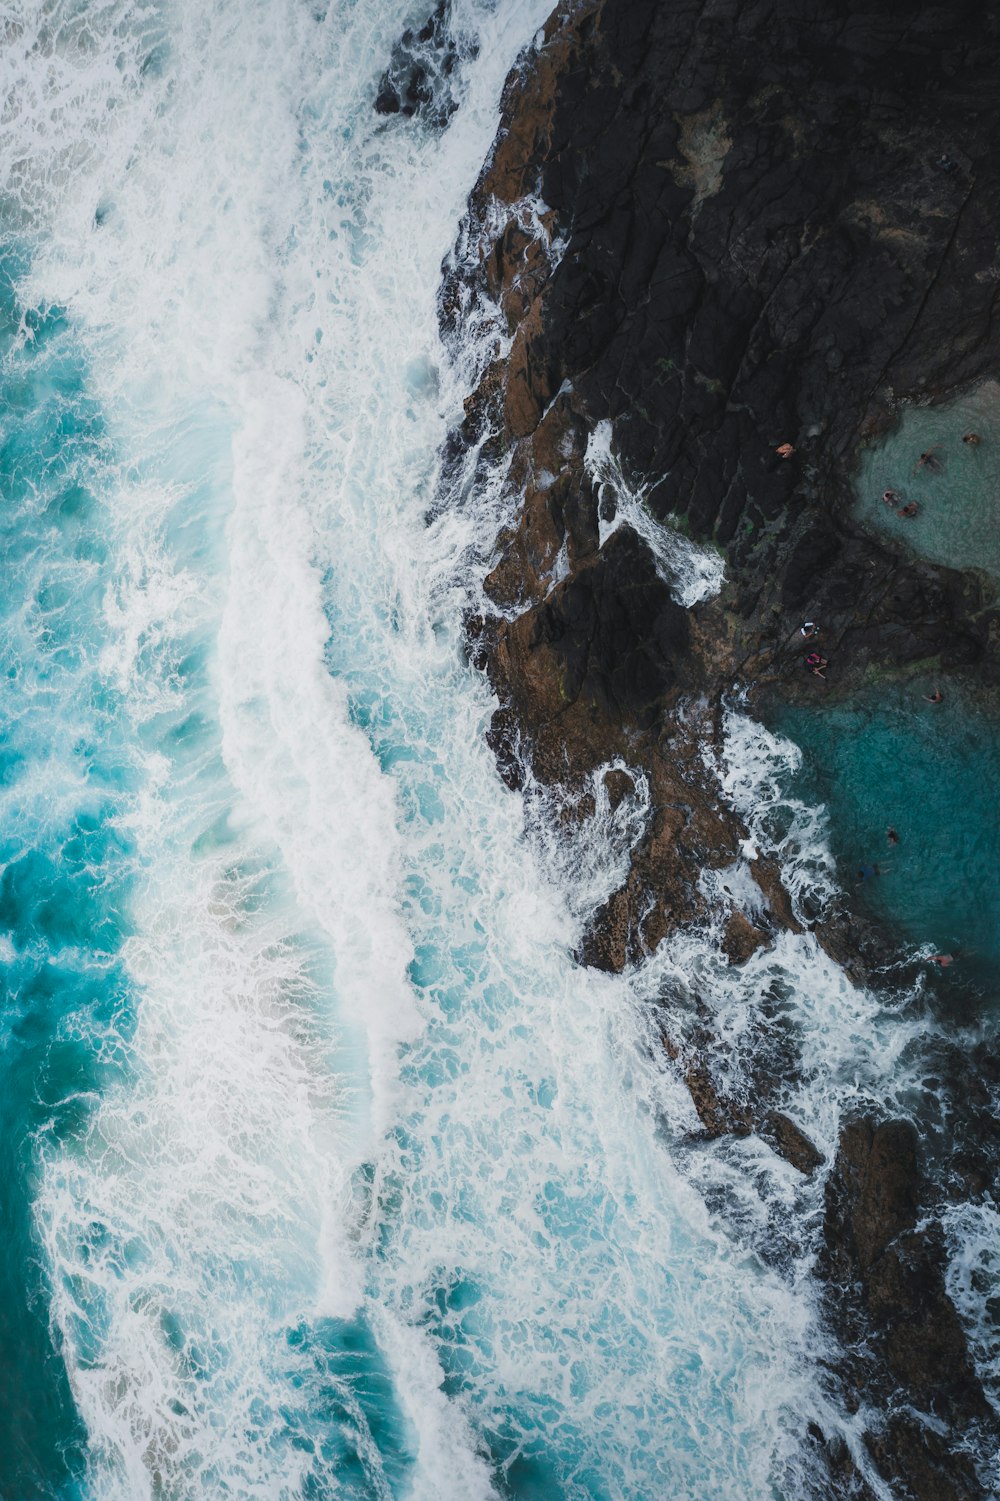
(724,228)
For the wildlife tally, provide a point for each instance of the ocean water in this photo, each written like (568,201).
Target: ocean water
(326,1172)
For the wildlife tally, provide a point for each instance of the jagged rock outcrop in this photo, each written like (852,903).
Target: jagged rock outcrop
(778,222)
(726,227)
(905,1343)
(765,236)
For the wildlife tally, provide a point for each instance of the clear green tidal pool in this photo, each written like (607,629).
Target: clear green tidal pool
(957,491)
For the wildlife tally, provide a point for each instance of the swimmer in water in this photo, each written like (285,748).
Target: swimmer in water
(890,497)
(928,459)
(910,509)
(866,872)
(891,835)
(936,697)
(973,439)
(944,960)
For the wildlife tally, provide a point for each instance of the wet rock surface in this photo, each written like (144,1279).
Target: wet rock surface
(422,75)
(904,1343)
(720,227)
(726,228)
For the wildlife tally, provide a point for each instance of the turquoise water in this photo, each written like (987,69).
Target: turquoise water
(958,494)
(931,772)
(64,780)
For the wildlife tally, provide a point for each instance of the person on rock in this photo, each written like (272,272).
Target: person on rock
(815,663)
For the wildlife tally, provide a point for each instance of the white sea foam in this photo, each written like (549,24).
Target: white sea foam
(693,572)
(972,1231)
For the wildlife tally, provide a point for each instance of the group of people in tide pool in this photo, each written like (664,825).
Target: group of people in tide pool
(929,460)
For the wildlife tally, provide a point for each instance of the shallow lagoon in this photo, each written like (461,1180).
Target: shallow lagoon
(930,771)
(958,493)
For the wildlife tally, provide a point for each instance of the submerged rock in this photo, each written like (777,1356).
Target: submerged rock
(422,74)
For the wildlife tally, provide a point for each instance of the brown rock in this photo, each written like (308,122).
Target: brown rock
(872,1192)
(618,785)
(925,1461)
(530,385)
(790,1142)
(741,939)
(719,1116)
(887,1202)
(767,873)
(608,941)
(893,1305)
(925,1341)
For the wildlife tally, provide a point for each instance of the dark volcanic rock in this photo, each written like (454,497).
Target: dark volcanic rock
(615,633)
(762,243)
(726,226)
(887,1294)
(762,246)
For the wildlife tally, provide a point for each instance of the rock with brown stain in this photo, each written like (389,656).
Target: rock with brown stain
(618,785)
(741,939)
(791,1142)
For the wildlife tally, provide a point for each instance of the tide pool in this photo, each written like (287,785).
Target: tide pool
(930,771)
(957,490)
